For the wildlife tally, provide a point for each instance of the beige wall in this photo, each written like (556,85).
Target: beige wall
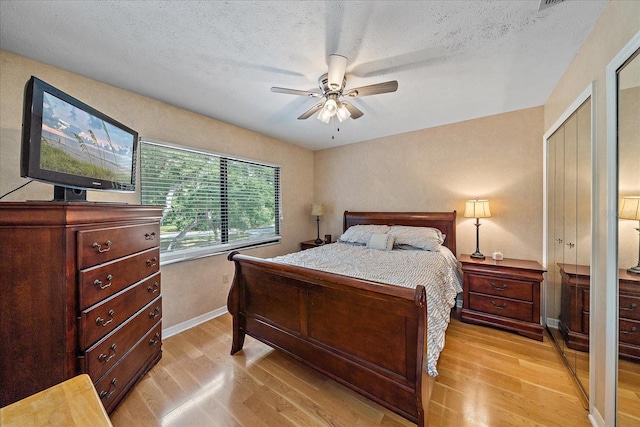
(189,288)
(497,157)
(618,24)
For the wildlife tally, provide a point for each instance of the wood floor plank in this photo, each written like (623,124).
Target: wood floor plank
(488,377)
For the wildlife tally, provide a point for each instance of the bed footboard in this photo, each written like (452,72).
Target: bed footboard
(369,336)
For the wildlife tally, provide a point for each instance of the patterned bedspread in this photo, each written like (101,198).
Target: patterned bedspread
(436,271)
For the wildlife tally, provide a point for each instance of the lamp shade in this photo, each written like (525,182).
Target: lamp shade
(630,208)
(317,209)
(477,209)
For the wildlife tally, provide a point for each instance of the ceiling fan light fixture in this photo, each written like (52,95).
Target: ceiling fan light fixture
(343,113)
(323,116)
(331,107)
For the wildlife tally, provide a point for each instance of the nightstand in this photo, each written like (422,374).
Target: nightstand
(504,294)
(308,244)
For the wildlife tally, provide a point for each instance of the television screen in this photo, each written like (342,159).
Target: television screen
(71,145)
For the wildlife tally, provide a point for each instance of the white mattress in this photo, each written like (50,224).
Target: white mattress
(436,271)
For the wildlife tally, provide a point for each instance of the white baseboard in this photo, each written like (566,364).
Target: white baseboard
(596,419)
(180,327)
(553,323)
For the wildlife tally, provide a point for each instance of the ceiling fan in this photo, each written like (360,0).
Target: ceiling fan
(332,85)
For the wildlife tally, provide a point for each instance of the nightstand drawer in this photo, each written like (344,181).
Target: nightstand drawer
(630,331)
(629,307)
(501,306)
(501,287)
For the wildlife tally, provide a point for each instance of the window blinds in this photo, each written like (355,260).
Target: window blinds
(212,203)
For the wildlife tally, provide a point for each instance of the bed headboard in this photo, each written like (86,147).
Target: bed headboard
(444,221)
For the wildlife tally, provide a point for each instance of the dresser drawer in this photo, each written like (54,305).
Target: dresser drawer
(629,307)
(98,283)
(116,381)
(102,318)
(108,351)
(501,306)
(105,244)
(630,331)
(501,287)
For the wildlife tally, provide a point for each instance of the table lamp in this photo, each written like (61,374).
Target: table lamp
(631,210)
(317,210)
(477,209)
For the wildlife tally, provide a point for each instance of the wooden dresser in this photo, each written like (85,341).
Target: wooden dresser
(504,294)
(575,310)
(80,293)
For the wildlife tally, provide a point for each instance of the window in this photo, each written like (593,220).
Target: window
(213,203)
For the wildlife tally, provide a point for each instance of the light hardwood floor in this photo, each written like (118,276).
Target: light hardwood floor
(486,377)
(628,394)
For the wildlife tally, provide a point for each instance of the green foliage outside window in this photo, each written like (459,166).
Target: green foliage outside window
(209,200)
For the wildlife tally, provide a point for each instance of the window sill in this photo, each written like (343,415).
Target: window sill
(173,258)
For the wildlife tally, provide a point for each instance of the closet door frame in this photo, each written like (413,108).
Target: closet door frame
(611,242)
(588,92)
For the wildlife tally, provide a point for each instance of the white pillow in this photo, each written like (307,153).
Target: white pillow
(381,241)
(426,238)
(361,234)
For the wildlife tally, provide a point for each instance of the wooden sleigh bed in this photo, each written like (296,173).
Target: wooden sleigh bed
(366,335)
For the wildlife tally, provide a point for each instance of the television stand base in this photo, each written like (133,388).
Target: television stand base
(67,194)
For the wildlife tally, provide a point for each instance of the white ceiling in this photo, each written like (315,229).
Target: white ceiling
(454,60)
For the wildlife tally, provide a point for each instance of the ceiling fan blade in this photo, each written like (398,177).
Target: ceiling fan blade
(296,92)
(375,89)
(310,111)
(337,68)
(355,113)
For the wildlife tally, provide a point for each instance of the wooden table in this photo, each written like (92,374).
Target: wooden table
(71,403)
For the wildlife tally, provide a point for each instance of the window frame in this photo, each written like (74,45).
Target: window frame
(225,247)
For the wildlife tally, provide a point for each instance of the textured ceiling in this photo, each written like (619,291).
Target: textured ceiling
(454,60)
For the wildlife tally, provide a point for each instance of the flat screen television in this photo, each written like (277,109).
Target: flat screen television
(73,146)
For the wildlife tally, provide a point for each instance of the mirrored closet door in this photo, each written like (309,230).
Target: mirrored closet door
(628,94)
(569,240)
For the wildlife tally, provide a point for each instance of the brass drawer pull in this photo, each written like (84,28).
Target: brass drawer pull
(99,284)
(112,352)
(152,262)
(151,236)
(101,322)
(571,245)
(499,307)
(629,332)
(498,288)
(153,289)
(155,340)
(631,307)
(155,313)
(112,387)
(99,247)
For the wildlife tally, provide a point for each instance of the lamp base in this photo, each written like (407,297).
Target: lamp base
(634,270)
(318,241)
(477,255)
